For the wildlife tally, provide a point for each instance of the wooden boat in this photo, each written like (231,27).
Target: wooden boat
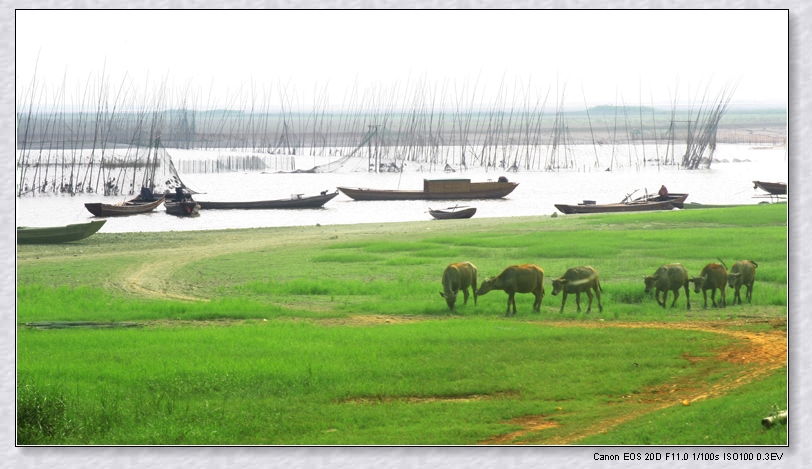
(677,199)
(438,189)
(295,201)
(774,188)
(130,207)
(181,204)
(183,208)
(632,206)
(57,234)
(453,213)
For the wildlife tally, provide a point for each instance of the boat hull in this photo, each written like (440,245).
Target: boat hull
(182,209)
(57,234)
(481,190)
(625,207)
(449,215)
(774,188)
(130,207)
(316,201)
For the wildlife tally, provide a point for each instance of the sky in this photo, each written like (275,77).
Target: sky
(216,59)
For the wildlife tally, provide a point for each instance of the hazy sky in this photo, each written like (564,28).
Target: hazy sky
(233,57)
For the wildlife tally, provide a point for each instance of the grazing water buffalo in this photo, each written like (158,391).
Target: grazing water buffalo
(527,278)
(742,273)
(713,276)
(577,280)
(458,277)
(670,277)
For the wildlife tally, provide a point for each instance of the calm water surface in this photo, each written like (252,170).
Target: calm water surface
(538,191)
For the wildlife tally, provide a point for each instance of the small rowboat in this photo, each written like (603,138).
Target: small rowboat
(57,234)
(451,213)
(130,207)
(185,208)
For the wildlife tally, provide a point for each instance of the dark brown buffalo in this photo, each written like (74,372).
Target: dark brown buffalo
(712,277)
(458,277)
(527,278)
(742,273)
(670,277)
(578,280)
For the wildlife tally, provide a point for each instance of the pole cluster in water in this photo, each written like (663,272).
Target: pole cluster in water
(105,147)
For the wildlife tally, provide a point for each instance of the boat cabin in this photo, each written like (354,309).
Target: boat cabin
(446,185)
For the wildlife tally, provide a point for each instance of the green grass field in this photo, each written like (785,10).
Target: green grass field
(337,335)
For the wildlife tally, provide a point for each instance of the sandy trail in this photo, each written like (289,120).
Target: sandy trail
(767,350)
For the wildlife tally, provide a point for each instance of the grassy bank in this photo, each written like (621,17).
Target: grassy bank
(337,334)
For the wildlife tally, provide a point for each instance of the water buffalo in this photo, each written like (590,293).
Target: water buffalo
(670,277)
(458,277)
(742,273)
(527,278)
(577,280)
(713,276)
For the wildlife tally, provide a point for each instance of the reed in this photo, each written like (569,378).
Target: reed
(451,124)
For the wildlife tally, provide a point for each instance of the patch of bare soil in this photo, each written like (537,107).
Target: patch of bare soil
(759,353)
(370,320)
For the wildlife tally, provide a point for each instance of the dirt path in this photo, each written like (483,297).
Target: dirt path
(767,350)
(155,278)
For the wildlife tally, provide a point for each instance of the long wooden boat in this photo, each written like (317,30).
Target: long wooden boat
(774,188)
(453,213)
(130,207)
(296,201)
(438,189)
(57,234)
(633,206)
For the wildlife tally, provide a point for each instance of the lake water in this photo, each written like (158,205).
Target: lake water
(538,191)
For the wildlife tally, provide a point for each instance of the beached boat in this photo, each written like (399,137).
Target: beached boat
(643,205)
(451,213)
(438,189)
(295,201)
(57,234)
(130,207)
(774,188)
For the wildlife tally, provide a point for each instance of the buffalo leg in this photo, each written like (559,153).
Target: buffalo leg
(511,299)
(723,297)
(676,295)
(563,301)
(589,295)
(598,295)
(750,293)
(465,296)
(713,298)
(687,296)
(665,297)
(578,300)
(705,295)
